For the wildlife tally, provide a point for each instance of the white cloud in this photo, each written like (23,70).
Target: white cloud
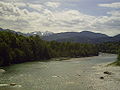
(11,12)
(52,4)
(112,5)
(36,6)
(20,4)
(108,24)
(114,13)
(27,17)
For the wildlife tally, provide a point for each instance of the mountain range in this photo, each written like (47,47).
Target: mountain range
(82,37)
(39,33)
(78,37)
(46,33)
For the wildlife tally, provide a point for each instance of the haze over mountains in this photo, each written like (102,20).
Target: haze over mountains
(79,37)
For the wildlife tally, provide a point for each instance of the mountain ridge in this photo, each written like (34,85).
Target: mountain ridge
(82,37)
(77,37)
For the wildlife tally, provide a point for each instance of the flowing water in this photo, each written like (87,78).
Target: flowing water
(73,74)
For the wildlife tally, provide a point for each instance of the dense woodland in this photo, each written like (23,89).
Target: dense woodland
(16,48)
(109,47)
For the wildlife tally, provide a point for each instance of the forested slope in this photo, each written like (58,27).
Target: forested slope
(16,48)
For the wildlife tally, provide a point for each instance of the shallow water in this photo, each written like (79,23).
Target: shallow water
(73,74)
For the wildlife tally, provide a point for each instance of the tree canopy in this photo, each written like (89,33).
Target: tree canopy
(16,48)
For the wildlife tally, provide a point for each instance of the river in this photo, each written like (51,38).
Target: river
(73,74)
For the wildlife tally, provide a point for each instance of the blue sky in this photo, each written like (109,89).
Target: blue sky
(101,16)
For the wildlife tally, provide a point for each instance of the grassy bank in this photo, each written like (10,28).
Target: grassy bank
(117,63)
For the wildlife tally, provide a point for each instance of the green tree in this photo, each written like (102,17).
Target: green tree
(5,57)
(16,48)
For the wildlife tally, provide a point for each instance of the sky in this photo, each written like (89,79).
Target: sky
(102,16)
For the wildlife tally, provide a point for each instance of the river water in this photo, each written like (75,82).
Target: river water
(73,74)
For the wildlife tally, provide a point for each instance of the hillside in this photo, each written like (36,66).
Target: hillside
(82,37)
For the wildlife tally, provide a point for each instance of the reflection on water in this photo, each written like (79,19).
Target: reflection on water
(54,75)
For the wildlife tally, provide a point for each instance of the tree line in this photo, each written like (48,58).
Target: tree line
(111,47)
(119,55)
(16,48)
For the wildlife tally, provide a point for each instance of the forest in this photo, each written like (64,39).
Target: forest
(109,47)
(16,48)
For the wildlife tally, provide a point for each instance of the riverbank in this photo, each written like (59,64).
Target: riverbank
(2,70)
(116,63)
(105,77)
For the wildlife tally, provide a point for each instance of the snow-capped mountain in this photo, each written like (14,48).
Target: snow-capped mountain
(46,33)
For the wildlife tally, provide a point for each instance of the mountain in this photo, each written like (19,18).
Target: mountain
(46,33)
(79,37)
(116,38)
(89,34)
(82,37)
(1,29)
(74,35)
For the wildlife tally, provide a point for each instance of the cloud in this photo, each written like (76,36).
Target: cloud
(52,4)
(114,13)
(20,4)
(72,18)
(28,17)
(36,6)
(111,23)
(112,5)
(108,24)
